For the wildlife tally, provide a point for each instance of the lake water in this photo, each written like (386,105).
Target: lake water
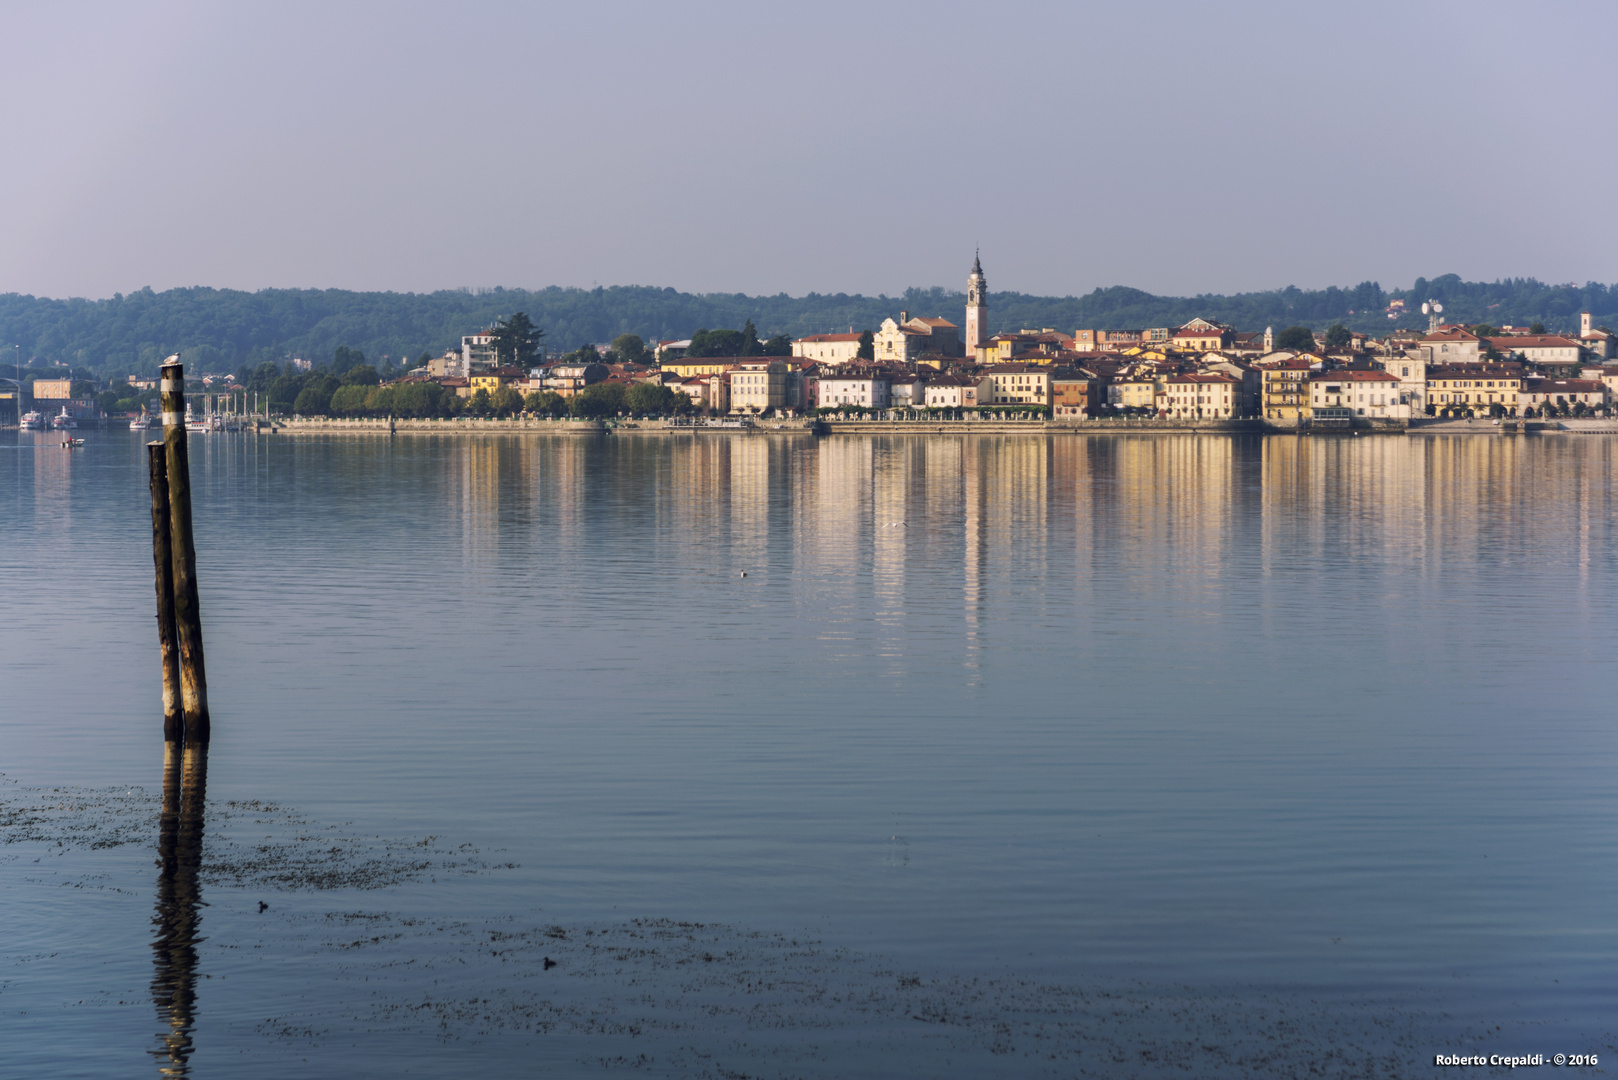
(1075,755)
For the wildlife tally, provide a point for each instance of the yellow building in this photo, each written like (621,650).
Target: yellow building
(759,384)
(1135,392)
(496,380)
(1200,335)
(1284,389)
(1474,386)
(1147,352)
(1041,346)
(706,365)
(54,389)
(1610,378)
(1015,384)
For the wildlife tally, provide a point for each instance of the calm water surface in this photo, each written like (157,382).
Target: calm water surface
(1330,718)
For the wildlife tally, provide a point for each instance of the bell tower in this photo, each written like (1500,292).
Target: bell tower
(977,308)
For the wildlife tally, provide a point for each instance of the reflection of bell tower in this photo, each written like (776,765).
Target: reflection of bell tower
(977,308)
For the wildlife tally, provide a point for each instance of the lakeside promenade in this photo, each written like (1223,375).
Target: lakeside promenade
(916,426)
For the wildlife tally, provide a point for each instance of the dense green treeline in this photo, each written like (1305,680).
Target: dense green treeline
(221,329)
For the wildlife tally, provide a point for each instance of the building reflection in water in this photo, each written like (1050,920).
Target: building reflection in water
(896,468)
(53,481)
(179,903)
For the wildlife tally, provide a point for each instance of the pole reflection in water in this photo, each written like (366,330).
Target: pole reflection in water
(179,902)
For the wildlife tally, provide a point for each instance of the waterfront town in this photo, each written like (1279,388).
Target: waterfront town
(927,364)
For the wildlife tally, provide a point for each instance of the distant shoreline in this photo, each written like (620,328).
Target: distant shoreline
(802,427)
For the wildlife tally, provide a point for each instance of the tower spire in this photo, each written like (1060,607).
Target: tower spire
(977,306)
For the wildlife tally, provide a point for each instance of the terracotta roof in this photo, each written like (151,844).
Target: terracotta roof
(934,321)
(1504,370)
(1570,386)
(822,338)
(1451,333)
(1533,341)
(1210,377)
(1353,376)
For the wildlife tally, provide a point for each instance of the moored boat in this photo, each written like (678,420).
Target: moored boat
(64,421)
(33,421)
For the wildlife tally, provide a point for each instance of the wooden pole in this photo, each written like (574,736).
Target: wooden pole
(179,901)
(187,608)
(163,567)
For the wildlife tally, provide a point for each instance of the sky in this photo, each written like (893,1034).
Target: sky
(827,147)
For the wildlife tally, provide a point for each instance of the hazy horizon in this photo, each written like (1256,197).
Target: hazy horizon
(1176,148)
(896,297)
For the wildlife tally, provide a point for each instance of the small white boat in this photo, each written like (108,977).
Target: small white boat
(196,425)
(33,421)
(143,422)
(70,443)
(64,421)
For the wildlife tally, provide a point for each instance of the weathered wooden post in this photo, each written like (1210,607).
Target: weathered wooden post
(187,608)
(163,567)
(179,901)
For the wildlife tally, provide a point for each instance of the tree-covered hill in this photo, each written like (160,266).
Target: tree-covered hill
(221,329)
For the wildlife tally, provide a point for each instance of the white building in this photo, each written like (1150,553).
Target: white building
(450,365)
(478,353)
(710,392)
(1411,371)
(901,340)
(1451,345)
(1537,393)
(1209,396)
(907,392)
(1598,344)
(951,392)
(1367,393)
(830,349)
(867,390)
(1552,349)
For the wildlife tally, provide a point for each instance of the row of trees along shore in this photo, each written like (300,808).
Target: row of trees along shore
(358,394)
(350,387)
